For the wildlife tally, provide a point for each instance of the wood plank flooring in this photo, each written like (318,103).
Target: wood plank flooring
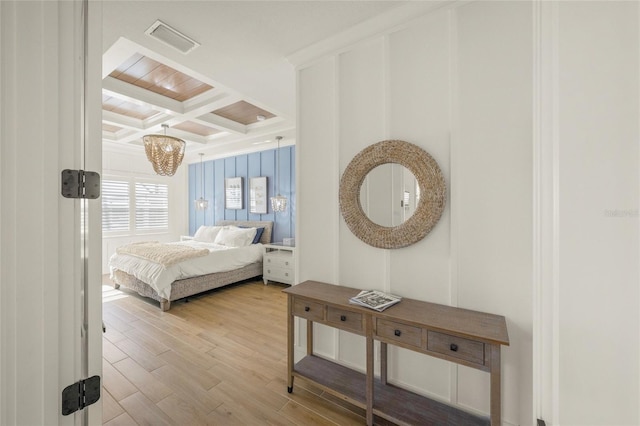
(219,359)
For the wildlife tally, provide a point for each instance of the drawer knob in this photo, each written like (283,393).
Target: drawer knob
(286,263)
(397,333)
(307,309)
(269,260)
(286,274)
(454,347)
(343,317)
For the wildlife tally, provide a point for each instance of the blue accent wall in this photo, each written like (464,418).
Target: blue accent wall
(246,166)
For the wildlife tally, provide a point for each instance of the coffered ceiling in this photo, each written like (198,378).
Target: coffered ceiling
(234,90)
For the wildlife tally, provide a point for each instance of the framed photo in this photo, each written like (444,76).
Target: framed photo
(258,195)
(233,193)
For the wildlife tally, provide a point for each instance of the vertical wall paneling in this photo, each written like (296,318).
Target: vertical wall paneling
(218,191)
(246,166)
(419,108)
(362,122)
(597,92)
(318,183)
(494,176)
(209,173)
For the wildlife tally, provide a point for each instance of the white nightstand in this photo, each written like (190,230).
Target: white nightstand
(186,237)
(279,263)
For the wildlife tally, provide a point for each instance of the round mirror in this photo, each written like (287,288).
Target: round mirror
(389,194)
(429,198)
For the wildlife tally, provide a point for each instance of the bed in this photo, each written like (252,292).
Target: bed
(123,275)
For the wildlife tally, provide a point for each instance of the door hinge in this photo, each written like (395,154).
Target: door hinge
(541,423)
(80,394)
(80,184)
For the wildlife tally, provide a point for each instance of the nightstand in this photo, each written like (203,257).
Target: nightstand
(278,263)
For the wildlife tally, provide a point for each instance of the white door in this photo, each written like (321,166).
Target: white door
(49,245)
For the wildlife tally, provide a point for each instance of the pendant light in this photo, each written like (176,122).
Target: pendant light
(164,152)
(279,202)
(201,203)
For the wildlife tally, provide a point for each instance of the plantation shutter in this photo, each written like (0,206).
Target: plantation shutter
(115,205)
(152,206)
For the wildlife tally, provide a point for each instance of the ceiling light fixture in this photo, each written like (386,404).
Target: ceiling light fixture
(201,203)
(164,152)
(279,202)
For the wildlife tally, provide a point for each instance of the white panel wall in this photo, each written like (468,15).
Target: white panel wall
(493,174)
(597,138)
(458,84)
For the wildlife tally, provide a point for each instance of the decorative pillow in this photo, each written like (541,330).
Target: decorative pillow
(259,232)
(235,237)
(207,234)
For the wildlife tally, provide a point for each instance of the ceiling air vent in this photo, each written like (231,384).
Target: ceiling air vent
(171,37)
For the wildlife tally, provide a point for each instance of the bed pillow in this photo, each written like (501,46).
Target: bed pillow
(259,232)
(207,234)
(235,237)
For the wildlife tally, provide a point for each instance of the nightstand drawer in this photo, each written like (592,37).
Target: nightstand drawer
(278,274)
(458,347)
(285,262)
(307,309)
(344,319)
(399,332)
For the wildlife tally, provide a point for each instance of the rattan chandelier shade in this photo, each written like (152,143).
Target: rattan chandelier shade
(164,152)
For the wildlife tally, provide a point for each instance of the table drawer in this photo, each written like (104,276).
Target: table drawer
(307,309)
(278,274)
(457,347)
(399,332)
(279,261)
(344,319)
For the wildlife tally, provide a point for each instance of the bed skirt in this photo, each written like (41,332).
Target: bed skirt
(189,286)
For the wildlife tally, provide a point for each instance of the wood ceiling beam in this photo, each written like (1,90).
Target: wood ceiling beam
(135,94)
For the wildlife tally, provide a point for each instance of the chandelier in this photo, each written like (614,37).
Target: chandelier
(164,152)
(201,203)
(279,202)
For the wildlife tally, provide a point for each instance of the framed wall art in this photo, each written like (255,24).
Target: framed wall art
(258,195)
(233,193)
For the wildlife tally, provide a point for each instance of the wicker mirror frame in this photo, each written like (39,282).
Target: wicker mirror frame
(428,211)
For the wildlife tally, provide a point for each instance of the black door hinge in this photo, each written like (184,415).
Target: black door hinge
(80,394)
(541,423)
(80,184)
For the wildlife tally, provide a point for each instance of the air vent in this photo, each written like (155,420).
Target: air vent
(161,31)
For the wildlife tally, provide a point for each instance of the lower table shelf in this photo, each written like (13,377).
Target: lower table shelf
(390,402)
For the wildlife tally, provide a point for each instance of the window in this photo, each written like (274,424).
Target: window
(130,205)
(115,205)
(152,206)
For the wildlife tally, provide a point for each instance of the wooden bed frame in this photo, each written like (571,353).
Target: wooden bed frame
(190,286)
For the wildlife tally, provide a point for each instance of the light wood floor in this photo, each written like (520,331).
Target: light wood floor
(219,359)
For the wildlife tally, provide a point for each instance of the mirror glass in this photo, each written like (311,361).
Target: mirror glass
(389,194)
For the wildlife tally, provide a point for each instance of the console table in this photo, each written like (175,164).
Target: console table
(462,336)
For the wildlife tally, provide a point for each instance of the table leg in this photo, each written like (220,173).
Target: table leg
(383,363)
(290,328)
(309,337)
(370,372)
(496,407)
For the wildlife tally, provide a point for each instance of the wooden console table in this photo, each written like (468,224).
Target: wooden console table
(462,336)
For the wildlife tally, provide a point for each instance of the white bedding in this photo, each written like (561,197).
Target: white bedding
(220,259)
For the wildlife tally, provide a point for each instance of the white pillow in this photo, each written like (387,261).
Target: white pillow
(207,234)
(235,237)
